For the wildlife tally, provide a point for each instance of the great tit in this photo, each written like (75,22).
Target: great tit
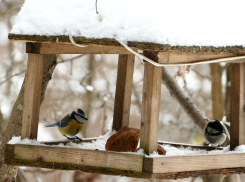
(71,124)
(214,133)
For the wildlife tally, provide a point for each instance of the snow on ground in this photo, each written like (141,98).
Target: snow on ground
(174,22)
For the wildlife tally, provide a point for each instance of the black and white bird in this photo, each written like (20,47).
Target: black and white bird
(214,133)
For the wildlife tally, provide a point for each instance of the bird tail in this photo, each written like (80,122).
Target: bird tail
(50,125)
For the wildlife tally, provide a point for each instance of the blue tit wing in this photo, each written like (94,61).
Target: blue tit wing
(51,125)
(62,123)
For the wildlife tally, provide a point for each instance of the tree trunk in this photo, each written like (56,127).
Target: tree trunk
(8,173)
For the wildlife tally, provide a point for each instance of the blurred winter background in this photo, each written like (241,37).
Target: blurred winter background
(88,82)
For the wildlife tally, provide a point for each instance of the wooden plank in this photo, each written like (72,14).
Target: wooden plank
(67,48)
(235,50)
(178,57)
(237,129)
(150,105)
(83,157)
(32,96)
(10,160)
(148,165)
(40,163)
(217,97)
(171,57)
(123,93)
(169,164)
(202,173)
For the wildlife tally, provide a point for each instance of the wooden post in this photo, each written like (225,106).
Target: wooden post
(32,96)
(217,94)
(150,105)
(124,85)
(237,129)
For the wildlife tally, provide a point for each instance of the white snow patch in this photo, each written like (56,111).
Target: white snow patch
(17,140)
(174,22)
(96,144)
(90,88)
(100,143)
(181,151)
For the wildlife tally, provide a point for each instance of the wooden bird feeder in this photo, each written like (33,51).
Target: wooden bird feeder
(115,163)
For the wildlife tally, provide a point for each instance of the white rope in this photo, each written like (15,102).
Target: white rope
(176,64)
(99,17)
(74,43)
(160,64)
(153,62)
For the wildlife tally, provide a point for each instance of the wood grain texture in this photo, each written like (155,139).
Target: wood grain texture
(170,164)
(68,48)
(123,93)
(203,173)
(10,159)
(150,105)
(32,96)
(169,56)
(237,129)
(82,157)
(175,57)
(235,50)
(217,91)
(40,163)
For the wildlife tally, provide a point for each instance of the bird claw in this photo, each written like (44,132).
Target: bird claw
(73,139)
(76,137)
(206,144)
(69,137)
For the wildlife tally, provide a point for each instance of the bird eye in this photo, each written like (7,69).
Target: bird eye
(79,119)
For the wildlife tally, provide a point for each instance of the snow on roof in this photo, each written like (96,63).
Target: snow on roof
(173,22)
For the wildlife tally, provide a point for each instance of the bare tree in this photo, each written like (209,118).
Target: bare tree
(8,173)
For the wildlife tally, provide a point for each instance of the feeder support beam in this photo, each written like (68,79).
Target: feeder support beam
(32,96)
(123,91)
(150,105)
(237,129)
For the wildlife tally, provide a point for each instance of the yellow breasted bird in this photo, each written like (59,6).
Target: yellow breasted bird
(71,124)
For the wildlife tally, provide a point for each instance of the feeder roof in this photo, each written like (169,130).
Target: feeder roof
(215,23)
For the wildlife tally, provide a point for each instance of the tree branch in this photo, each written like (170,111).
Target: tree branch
(184,100)
(8,78)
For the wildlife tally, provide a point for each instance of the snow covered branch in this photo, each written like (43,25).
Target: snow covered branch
(184,100)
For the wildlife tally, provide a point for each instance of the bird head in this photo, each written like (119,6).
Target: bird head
(79,116)
(214,127)
(214,133)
